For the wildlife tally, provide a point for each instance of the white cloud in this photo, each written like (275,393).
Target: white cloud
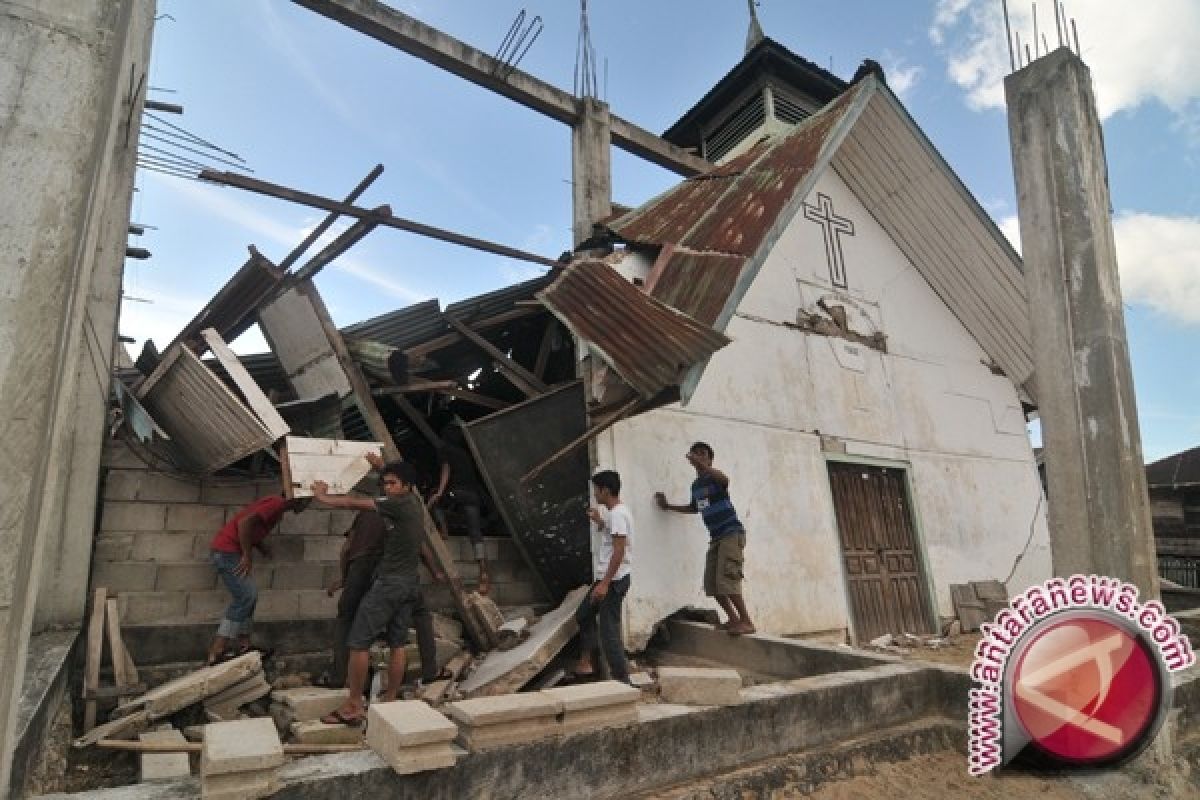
(1160,263)
(902,77)
(1137,54)
(1158,258)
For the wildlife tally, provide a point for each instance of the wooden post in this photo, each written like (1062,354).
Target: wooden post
(95,651)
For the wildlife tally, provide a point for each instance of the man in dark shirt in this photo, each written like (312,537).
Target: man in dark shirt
(459,477)
(725,562)
(357,562)
(389,604)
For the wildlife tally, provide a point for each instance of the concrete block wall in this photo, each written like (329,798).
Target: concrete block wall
(152,550)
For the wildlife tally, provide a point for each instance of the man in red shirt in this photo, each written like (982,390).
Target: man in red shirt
(232,555)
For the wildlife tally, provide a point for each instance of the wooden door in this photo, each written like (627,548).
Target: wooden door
(885,582)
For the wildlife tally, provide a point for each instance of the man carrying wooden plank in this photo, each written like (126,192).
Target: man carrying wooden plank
(393,597)
(232,553)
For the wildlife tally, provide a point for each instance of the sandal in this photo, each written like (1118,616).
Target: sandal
(338,718)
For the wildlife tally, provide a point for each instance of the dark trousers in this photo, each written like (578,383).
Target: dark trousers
(360,574)
(608,614)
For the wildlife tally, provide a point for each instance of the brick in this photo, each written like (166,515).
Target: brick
(277,604)
(124,576)
(122,484)
(113,546)
(317,732)
(133,517)
(309,703)
(322,548)
(311,523)
(184,577)
(207,606)
(299,576)
(202,546)
(287,549)
(700,687)
(406,723)
(240,494)
(144,608)
(163,766)
(153,487)
(481,711)
(163,547)
(240,746)
(195,517)
(585,696)
(316,604)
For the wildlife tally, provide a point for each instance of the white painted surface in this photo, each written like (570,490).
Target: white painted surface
(929,405)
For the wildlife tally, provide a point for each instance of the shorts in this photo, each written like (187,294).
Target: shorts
(723,565)
(387,607)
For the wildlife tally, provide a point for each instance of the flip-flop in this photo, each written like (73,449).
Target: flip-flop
(336,717)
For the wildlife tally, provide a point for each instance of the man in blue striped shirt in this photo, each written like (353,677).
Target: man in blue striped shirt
(724,564)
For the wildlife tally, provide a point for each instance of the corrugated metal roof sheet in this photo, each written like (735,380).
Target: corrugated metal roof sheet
(403,327)
(492,303)
(209,425)
(1181,469)
(698,284)
(231,310)
(649,344)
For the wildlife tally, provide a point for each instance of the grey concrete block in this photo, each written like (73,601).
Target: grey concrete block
(195,517)
(163,766)
(124,576)
(312,523)
(231,494)
(163,547)
(207,606)
(299,576)
(309,703)
(185,577)
(317,732)
(700,687)
(406,723)
(504,708)
(113,547)
(202,546)
(145,608)
(153,487)
(121,516)
(240,746)
(340,521)
(122,484)
(322,548)
(587,696)
(278,604)
(316,604)
(286,548)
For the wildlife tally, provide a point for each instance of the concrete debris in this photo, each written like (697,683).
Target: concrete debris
(592,706)
(694,686)
(240,759)
(882,641)
(192,688)
(317,732)
(508,671)
(309,703)
(512,633)
(642,680)
(163,766)
(410,736)
(485,723)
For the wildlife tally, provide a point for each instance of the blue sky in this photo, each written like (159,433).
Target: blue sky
(314,105)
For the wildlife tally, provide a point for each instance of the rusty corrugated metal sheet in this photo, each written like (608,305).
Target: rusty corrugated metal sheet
(210,427)
(698,283)
(231,311)
(649,344)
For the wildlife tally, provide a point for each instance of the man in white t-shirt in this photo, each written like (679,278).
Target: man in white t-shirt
(611,558)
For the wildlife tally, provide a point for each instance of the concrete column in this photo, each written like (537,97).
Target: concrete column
(591,167)
(1096,487)
(68,131)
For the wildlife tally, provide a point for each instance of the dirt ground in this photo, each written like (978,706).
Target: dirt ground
(957,651)
(943,776)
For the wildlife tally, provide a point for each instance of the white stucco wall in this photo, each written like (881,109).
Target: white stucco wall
(930,405)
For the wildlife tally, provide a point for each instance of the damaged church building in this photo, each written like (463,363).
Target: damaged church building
(819,298)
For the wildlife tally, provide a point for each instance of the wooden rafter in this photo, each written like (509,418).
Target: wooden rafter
(520,377)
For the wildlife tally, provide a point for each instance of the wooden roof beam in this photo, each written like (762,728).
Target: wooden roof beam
(414,37)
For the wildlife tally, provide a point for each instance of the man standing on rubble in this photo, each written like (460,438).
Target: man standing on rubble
(724,564)
(232,553)
(612,557)
(393,597)
(459,479)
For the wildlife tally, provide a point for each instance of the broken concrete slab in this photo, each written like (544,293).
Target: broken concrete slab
(163,766)
(240,746)
(120,728)
(227,703)
(410,736)
(698,686)
(194,687)
(317,732)
(507,671)
(309,702)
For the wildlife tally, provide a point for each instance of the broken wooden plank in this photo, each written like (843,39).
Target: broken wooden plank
(544,347)
(331,218)
(250,390)
(416,386)
(119,727)
(588,435)
(197,747)
(327,204)
(417,419)
(423,349)
(344,241)
(523,379)
(476,399)
(444,561)
(95,652)
(193,687)
(340,463)
(114,692)
(116,647)
(504,672)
